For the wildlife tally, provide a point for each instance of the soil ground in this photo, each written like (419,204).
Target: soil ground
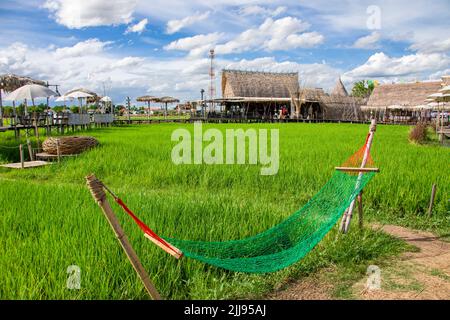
(422,274)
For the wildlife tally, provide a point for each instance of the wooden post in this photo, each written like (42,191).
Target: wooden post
(345,222)
(22,164)
(58,152)
(30,150)
(433,194)
(98,193)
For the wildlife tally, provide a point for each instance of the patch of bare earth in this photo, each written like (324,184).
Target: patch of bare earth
(424,274)
(314,287)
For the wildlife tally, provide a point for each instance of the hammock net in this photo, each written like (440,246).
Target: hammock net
(287,242)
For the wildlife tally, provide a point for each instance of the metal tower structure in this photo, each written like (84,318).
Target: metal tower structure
(212,78)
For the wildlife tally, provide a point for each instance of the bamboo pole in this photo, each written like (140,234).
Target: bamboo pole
(433,195)
(360,211)
(345,223)
(98,193)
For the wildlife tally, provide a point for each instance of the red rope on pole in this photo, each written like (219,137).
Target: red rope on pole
(143,226)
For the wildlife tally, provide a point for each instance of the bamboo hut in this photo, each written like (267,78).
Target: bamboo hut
(262,94)
(401,102)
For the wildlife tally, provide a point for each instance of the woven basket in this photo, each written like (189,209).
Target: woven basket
(69,145)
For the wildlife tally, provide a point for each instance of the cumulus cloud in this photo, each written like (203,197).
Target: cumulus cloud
(196,45)
(381,65)
(368,42)
(88,47)
(176,25)
(281,34)
(138,27)
(91,13)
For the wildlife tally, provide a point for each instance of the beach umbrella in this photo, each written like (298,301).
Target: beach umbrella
(105,99)
(80,94)
(166,100)
(30,92)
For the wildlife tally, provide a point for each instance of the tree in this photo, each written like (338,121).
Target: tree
(363,88)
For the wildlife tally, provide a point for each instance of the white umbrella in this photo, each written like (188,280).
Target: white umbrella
(30,92)
(80,95)
(106,99)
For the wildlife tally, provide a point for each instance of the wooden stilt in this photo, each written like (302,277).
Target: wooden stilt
(98,193)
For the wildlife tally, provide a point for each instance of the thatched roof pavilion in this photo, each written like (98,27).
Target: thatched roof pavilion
(236,83)
(404,95)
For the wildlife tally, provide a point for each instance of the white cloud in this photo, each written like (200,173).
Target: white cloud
(380,65)
(138,27)
(88,47)
(196,45)
(256,10)
(432,46)
(91,13)
(281,34)
(368,42)
(176,25)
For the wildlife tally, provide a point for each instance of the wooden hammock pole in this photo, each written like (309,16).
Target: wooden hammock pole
(345,223)
(98,193)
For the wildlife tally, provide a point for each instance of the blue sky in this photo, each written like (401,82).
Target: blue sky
(160,47)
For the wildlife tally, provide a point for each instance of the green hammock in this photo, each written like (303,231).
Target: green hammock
(287,242)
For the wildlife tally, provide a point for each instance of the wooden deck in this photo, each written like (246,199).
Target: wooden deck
(26,165)
(48,156)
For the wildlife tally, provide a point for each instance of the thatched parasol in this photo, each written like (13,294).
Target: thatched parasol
(10,82)
(166,100)
(148,99)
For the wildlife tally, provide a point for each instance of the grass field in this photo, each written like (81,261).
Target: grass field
(49,220)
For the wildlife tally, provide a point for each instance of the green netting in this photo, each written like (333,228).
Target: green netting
(287,242)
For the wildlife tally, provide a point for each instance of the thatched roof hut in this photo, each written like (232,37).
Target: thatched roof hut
(405,95)
(339,89)
(236,83)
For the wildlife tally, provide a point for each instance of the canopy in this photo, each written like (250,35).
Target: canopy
(78,95)
(30,92)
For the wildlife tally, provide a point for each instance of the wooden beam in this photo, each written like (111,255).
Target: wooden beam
(353,169)
(98,193)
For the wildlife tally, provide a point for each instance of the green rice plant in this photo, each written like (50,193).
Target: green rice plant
(49,221)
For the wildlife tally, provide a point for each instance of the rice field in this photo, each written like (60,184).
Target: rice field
(49,220)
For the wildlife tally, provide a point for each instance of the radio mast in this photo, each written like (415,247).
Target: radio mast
(212,78)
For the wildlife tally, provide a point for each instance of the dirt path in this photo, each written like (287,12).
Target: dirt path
(424,274)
